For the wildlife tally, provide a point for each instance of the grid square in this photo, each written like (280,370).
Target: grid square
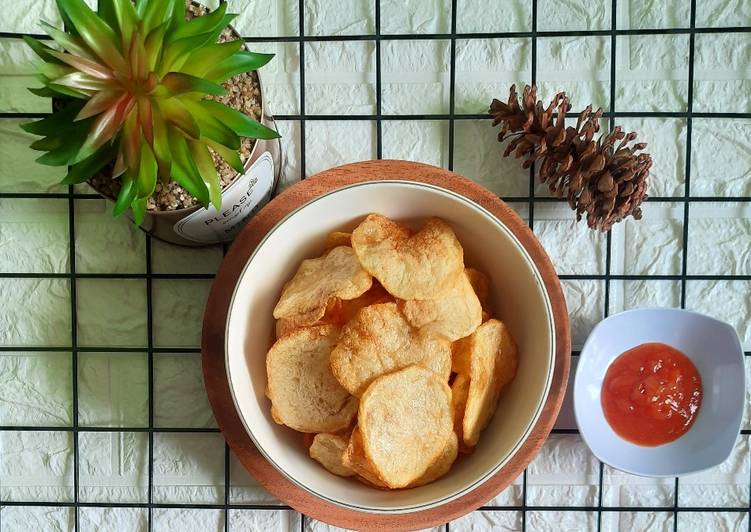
(644,293)
(178,311)
(35,236)
(179,395)
(355,141)
(651,73)
(486,69)
(562,520)
(265,18)
(564,473)
(585,299)
(111,312)
(572,246)
(188,468)
(415,16)
(666,141)
(346,17)
(720,164)
(113,467)
(105,244)
(627,521)
(23,518)
(36,389)
(110,519)
(340,77)
(280,78)
(428,141)
(623,489)
(712,521)
(477,155)
(492,520)
(573,15)
(647,14)
(113,389)
(36,312)
(724,485)
(277,520)
(36,466)
(188,519)
(169,258)
(512,496)
(719,13)
(722,79)
(722,299)
(25,16)
(18,171)
(18,73)
(481,16)
(243,488)
(580,66)
(290,131)
(719,234)
(415,77)
(652,245)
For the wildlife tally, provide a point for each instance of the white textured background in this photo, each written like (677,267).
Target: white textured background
(644,268)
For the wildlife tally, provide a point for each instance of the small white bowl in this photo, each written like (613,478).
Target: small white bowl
(518,296)
(714,348)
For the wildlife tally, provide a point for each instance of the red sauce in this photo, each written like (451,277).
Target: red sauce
(651,394)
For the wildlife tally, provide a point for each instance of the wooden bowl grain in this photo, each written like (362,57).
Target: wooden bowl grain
(213,346)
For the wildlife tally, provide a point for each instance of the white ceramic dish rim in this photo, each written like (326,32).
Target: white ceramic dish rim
(538,408)
(577,377)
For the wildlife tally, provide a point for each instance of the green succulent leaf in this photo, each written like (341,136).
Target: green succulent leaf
(231,156)
(94,32)
(47,143)
(43,92)
(106,11)
(70,43)
(62,90)
(184,169)
(206,167)
(126,195)
(139,209)
(41,49)
(202,59)
(56,123)
(176,53)
(156,12)
(126,19)
(238,122)
(179,83)
(78,173)
(238,63)
(146,172)
(175,113)
(153,44)
(161,143)
(200,25)
(212,127)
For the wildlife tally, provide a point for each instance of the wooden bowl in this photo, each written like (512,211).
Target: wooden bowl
(231,394)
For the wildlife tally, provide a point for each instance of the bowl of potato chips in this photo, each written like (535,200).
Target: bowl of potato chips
(390,346)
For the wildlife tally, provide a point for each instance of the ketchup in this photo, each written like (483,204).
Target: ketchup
(651,394)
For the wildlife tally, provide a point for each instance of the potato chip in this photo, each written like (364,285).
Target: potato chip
(338,312)
(489,358)
(379,340)
(441,465)
(459,393)
(481,285)
(285,326)
(328,450)
(454,315)
(355,459)
(317,281)
(304,394)
(420,266)
(405,422)
(336,239)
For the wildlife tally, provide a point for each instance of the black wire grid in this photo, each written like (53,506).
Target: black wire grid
(611,114)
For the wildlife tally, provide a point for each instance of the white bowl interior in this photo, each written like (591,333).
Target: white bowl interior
(518,297)
(715,350)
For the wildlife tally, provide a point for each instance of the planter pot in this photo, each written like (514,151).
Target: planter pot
(241,198)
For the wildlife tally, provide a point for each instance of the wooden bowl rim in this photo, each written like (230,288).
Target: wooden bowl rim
(213,342)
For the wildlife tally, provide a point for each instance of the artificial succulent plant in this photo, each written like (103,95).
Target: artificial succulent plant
(131,82)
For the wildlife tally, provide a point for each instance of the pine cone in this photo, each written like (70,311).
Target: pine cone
(604,178)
